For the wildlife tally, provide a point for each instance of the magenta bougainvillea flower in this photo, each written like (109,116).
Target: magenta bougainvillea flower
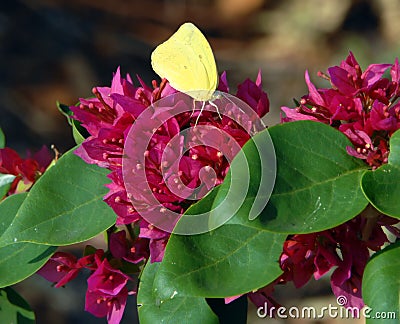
(107,280)
(101,304)
(344,248)
(306,255)
(107,292)
(108,118)
(252,93)
(63,267)
(363,106)
(60,269)
(26,171)
(122,248)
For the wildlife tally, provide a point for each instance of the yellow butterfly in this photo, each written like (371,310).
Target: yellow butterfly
(187,62)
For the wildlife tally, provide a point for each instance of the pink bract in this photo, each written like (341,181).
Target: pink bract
(107,280)
(101,304)
(26,170)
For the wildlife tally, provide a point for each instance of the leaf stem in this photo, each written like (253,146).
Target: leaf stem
(131,232)
(371,215)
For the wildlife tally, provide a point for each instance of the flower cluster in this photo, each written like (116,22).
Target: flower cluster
(26,171)
(345,247)
(107,290)
(108,118)
(362,105)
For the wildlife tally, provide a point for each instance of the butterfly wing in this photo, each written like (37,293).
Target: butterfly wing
(187,62)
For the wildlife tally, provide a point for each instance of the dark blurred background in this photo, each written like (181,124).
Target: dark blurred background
(58,50)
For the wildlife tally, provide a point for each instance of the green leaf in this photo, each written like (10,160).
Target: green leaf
(381,285)
(233,259)
(14,309)
(2,139)
(177,309)
(77,130)
(65,206)
(20,260)
(64,109)
(382,186)
(5,183)
(318,182)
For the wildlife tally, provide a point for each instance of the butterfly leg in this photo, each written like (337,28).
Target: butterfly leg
(216,108)
(193,109)
(201,110)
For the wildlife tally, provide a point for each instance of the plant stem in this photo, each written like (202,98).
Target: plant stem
(371,215)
